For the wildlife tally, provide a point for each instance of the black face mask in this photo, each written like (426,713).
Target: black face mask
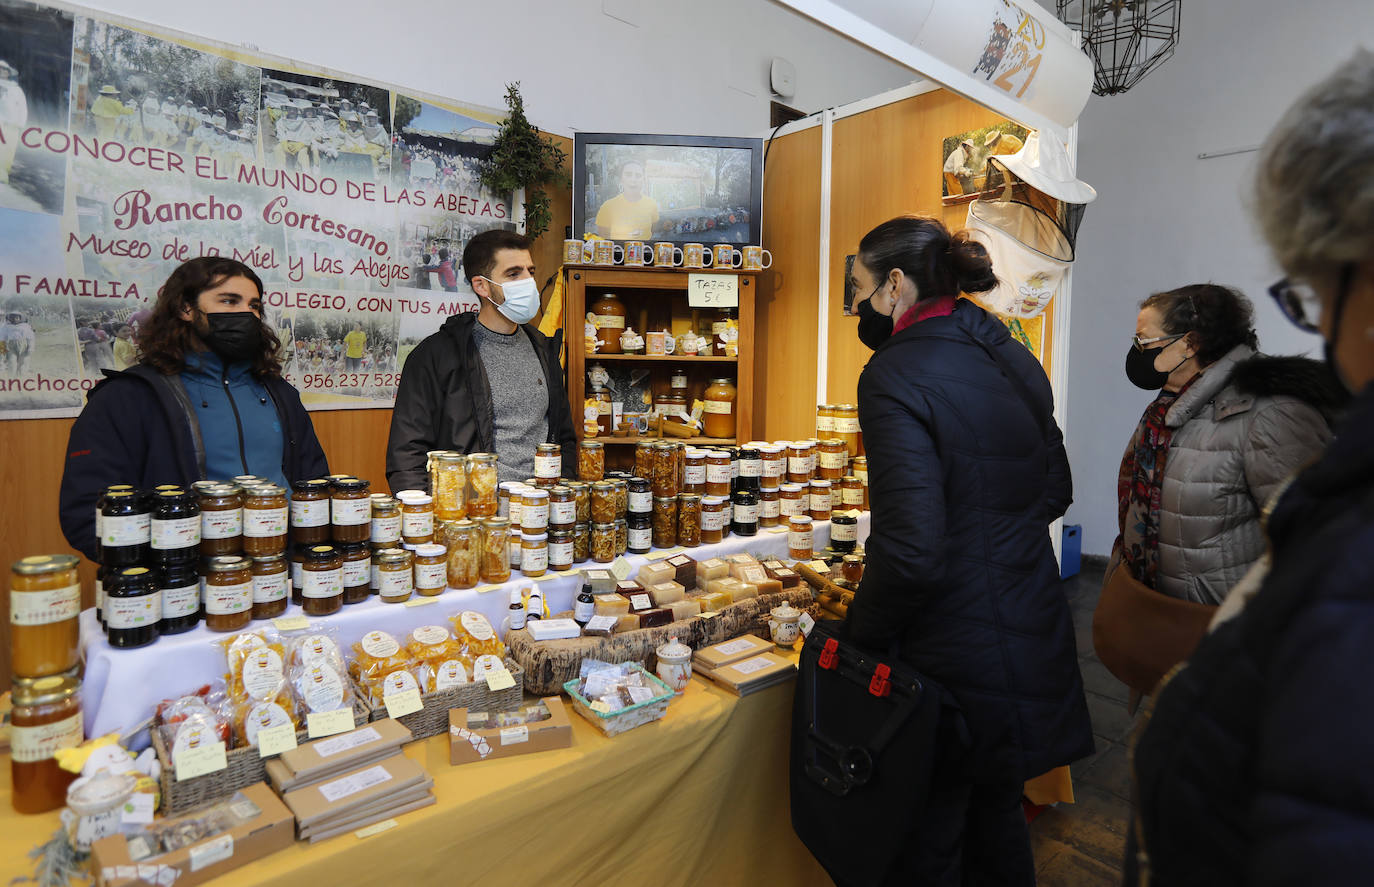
(235,335)
(1140,367)
(874,328)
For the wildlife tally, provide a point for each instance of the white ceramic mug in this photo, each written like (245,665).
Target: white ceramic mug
(606,251)
(756,258)
(726,256)
(637,252)
(572,252)
(695,255)
(667,255)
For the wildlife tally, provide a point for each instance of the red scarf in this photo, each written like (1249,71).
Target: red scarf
(924,310)
(1139,484)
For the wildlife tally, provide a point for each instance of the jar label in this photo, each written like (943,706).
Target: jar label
(563,512)
(169,535)
(263,673)
(264,523)
(824,424)
(718,474)
(861,474)
(221,524)
(394,583)
(431,575)
(604,407)
(450,673)
(419,523)
(131,529)
(535,559)
(263,716)
(379,645)
(770,508)
(847,424)
(357,572)
(309,512)
(430,635)
(773,467)
(267,589)
(751,468)
(799,540)
(179,602)
(225,600)
(641,537)
(30,745)
(609,322)
(350,512)
(852,496)
(844,532)
(746,514)
(720,407)
(399,682)
(734,469)
(133,612)
(799,465)
(719,326)
(713,519)
(476,625)
(836,497)
(537,516)
(513,513)
(323,688)
(321,583)
(820,501)
(548,466)
(44,607)
(515,552)
(386,529)
(834,460)
(561,553)
(694,474)
(677,380)
(788,507)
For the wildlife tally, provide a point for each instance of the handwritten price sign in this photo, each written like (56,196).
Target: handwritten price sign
(713,291)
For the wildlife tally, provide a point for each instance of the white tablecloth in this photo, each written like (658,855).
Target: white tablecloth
(122,686)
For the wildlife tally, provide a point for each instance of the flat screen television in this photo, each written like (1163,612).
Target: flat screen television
(682,189)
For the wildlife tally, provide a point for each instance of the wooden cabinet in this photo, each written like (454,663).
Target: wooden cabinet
(656,298)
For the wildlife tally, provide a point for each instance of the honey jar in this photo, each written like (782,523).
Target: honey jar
(562,508)
(603,502)
(774,460)
(582,495)
(483,485)
(798,462)
(227,590)
(718,473)
(356,571)
(746,514)
(851,492)
(639,533)
(582,542)
(266,516)
(847,426)
(603,543)
(461,539)
(800,537)
(561,549)
(608,314)
(548,461)
(179,585)
(133,607)
(494,565)
(394,580)
(534,554)
(713,518)
(622,536)
(46,717)
(819,501)
(825,420)
(534,510)
(174,528)
(844,532)
(644,458)
(271,586)
(833,458)
(126,527)
(793,499)
(350,510)
(718,418)
(689,520)
(448,484)
(694,472)
(431,569)
(770,512)
(591,461)
(310,511)
(417,517)
(386,522)
(45,609)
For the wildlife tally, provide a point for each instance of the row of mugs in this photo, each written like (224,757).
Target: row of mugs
(665,255)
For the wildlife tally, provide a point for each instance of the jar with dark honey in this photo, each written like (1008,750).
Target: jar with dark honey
(350,510)
(640,533)
(322,580)
(844,532)
(126,526)
(133,607)
(356,571)
(179,585)
(221,519)
(46,717)
(271,586)
(175,528)
(227,592)
(852,568)
(560,549)
(746,514)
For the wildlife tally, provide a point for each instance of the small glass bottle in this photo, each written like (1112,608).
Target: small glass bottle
(179,586)
(852,569)
(494,566)
(310,512)
(356,571)
(227,592)
(126,526)
(395,580)
(713,518)
(584,607)
(561,549)
(800,538)
(483,485)
(689,520)
(322,580)
(603,543)
(746,514)
(350,510)
(133,608)
(431,569)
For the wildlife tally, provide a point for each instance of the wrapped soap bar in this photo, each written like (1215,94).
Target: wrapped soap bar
(684,609)
(611,605)
(745,591)
(714,600)
(715,568)
(655,617)
(726,585)
(656,572)
(627,622)
(627,587)
(789,577)
(768,586)
(553,629)
(601,581)
(600,626)
(740,568)
(665,593)
(686,570)
(640,601)
(753,574)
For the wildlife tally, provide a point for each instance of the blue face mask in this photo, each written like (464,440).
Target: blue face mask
(521,299)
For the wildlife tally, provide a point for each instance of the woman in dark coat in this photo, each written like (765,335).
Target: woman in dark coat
(967,469)
(1254,767)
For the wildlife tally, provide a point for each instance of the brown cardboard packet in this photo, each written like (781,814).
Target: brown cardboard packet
(468,746)
(318,836)
(337,754)
(743,647)
(354,790)
(755,673)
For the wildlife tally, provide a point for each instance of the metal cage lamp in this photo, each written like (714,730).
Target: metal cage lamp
(1126,39)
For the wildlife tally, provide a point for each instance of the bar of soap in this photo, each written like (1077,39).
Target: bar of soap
(789,577)
(684,609)
(715,568)
(752,574)
(745,591)
(611,605)
(768,586)
(655,617)
(740,558)
(640,601)
(686,570)
(601,581)
(600,626)
(726,585)
(714,600)
(740,569)
(627,587)
(665,593)
(627,622)
(553,629)
(656,572)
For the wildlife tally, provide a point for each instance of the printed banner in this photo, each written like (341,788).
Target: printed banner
(126,150)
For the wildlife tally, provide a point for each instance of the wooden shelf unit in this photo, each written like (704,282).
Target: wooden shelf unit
(694,441)
(636,287)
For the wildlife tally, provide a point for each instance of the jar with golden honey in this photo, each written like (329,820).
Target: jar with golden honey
(266,516)
(603,543)
(825,421)
(322,580)
(798,465)
(431,569)
(494,565)
(793,499)
(689,520)
(448,480)
(461,537)
(851,493)
(844,532)
(608,316)
(812,463)
(818,501)
(45,610)
(350,510)
(179,586)
(395,580)
(482,485)
(665,521)
(513,547)
(770,511)
(714,518)
(310,511)
(833,458)
(560,549)
(694,472)
(582,495)
(548,461)
(644,459)
(621,497)
(534,554)
(591,461)
(228,592)
(639,533)
(717,473)
(852,569)
(847,426)
(605,412)
(386,522)
(774,466)
(800,537)
(582,542)
(860,467)
(603,502)
(534,510)
(46,718)
(271,586)
(417,517)
(562,508)
(719,416)
(356,571)
(504,492)
(622,536)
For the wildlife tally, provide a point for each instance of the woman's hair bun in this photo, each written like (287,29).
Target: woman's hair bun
(971,263)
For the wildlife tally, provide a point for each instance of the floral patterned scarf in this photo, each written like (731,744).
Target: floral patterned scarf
(1138,487)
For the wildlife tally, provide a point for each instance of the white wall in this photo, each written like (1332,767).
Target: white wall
(698,68)
(1164,218)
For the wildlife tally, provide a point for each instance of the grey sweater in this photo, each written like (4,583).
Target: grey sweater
(519,399)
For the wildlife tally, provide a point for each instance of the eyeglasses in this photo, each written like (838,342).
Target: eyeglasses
(1299,303)
(1141,344)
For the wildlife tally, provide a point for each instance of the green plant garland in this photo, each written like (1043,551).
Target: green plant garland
(522,158)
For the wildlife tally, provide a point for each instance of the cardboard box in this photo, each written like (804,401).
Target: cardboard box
(754,673)
(371,786)
(468,746)
(271,830)
(743,647)
(318,760)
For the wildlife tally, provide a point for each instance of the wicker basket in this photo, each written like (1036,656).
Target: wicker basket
(627,718)
(246,767)
(474,696)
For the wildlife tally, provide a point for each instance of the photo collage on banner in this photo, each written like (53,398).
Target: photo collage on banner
(125,151)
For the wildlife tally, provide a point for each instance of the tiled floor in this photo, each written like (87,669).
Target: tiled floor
(1081,844)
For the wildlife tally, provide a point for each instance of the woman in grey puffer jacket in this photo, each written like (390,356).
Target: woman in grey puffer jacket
(1229,427)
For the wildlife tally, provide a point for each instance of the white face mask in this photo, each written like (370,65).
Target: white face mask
(522,299)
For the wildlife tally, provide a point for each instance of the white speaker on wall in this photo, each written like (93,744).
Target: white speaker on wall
(782,78)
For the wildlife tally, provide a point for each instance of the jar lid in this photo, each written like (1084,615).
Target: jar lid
(560,490)
(592,445)
(603,485)
(847,406)
(748,453)
(820,483)
(392,556)
(335,477)
(605,528)
(383,501)
(226,562)
(134,573)
(347,548)
(496,523)
(799,519)
(852,559)
(270,559)
(509,485)
(176,494)
(218,489)
(119,494)
(115,488)
(482,457)
(318,484)
(461,523)
(415,497)
(825,406)
(40,564)
(162,487)
(689,497)
(575,485)
(785,612)
(267,490)
(534,537)
(844,517)
(831,442)
(535,494)
(674,651)
(430,549)
(446,456)
(791,488)
(44,691)
(351,484)
(547,448)
(636,482)
(714,500)
(770,449)
(560,534)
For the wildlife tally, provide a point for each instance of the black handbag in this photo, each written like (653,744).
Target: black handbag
(865,733)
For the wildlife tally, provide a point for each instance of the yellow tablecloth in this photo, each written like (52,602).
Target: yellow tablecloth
(699,797)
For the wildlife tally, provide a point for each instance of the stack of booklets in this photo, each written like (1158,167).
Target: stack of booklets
(744,665)
(345,782)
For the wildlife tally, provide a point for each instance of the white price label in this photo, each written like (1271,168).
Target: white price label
(712,291)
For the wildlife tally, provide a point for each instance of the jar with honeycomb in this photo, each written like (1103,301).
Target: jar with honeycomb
(591,461)
(667,479)
(461,539)
(689,520)
(482,485)
(582,542)
(448,484)
(603,543)
(495,562)
(665,521)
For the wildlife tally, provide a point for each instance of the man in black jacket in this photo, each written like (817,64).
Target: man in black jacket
(488,382)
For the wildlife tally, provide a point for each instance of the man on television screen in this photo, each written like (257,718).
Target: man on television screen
(631,214)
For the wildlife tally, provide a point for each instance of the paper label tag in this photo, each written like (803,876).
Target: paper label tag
(361,736)
(601,623)
(807,623)
(500,680)
(709,614)
(741,645)
(376,828)
(600,707)
(641,602)
(483,589)
(515,735)
(291,623)
(422,600)
(354,783)
(819,566)
(404,703)
(138,810)
(193,762)
(621,569)
(211,852)
(275,740)
(749,666)
(327,723)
